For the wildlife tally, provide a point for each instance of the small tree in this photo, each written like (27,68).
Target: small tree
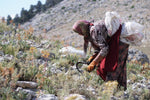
(9,18)
(39,7)
(17,19)
(24,15)
(32,11)
(43,8)
(3,19)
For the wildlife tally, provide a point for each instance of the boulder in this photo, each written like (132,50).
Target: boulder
(75,97)
(135,55)
(47,97)
(27,84)
(71,50)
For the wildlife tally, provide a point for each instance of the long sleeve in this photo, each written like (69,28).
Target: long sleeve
(98,34)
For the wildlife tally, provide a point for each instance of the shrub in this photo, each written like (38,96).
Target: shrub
(132,6)
(63,7)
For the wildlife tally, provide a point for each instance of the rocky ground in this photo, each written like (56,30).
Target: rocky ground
(137,82)
(56,22)
(63,82)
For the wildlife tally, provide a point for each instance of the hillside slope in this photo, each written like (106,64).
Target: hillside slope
(56,22)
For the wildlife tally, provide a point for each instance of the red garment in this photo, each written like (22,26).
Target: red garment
(110,62)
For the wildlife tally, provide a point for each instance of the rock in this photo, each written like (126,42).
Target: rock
(136,97)
(134,86)
(71,50)
(27,84)
(91,89)
(28,96)
(19,89)
(29,91)
(75,97)
(136,55)
(8,57)
(47,97)
(129,81)
(148,83)
(1,59)
(36,45)
(114,98)
(139,91)
(148,87)
(126,95)
(20,54)
(1,53)
(29,42)
(54,70)
(143,80)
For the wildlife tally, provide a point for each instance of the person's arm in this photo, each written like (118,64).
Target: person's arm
(91,58)
(99,41)
(86,42)
(99,57)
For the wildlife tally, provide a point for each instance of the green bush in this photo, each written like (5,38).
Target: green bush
(8,49)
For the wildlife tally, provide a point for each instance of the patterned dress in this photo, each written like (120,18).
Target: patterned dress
(120,72)
(98,38)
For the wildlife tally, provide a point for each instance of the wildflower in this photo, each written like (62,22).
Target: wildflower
(5,72)
(32,49)
(18,37)
(39,75)
(31,30)
(11,70)
(45,54)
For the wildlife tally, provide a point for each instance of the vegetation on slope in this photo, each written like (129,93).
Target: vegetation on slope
(67,81)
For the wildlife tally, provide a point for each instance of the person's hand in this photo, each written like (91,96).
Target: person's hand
(91,66)
(90,59)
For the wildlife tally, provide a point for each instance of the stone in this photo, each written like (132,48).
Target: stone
(90,88)
(75,96)
(1,53)
(19,88)
(28,96)
(126,95)
(114,98)
(143,80)
(8,57)
(148,87)
(137,55)
(29,91)
(71,50)
(136,97)
(47,97)
(27,84)
(129,81)
(1,59)
(148,83)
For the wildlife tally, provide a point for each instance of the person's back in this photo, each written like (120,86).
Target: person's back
(110,40)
